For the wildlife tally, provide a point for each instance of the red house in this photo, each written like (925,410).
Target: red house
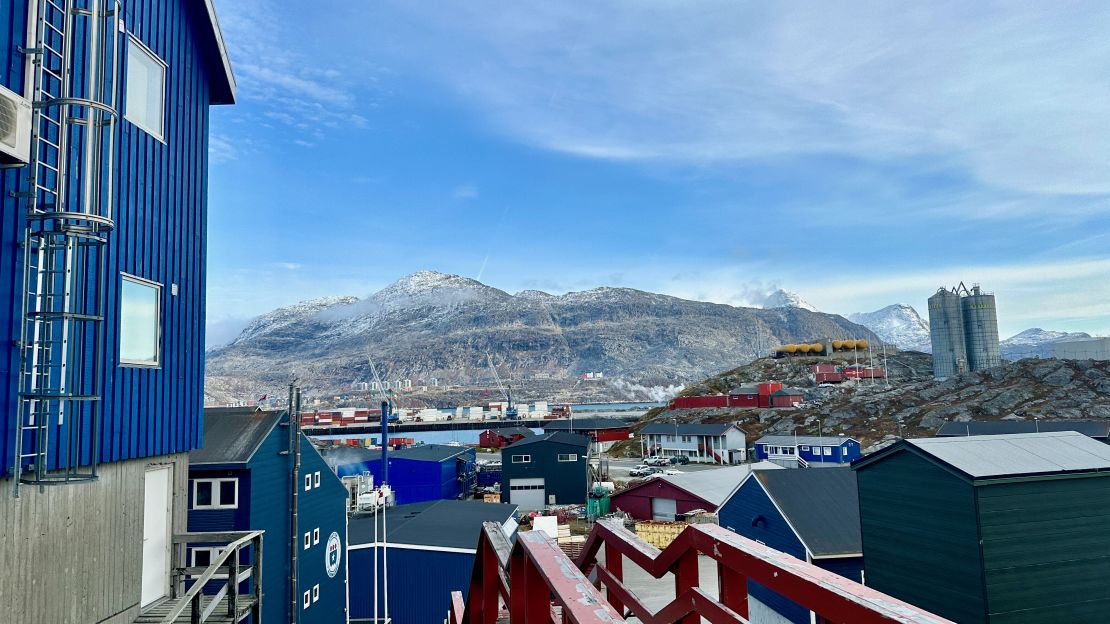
(662,498)
(744,396)
(498,438)
(787,397)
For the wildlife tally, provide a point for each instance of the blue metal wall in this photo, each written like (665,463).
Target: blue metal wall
(160,235)
(417,595)
(418,480)
(323,507)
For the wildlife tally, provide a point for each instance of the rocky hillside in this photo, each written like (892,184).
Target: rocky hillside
(432,325)
(913,405)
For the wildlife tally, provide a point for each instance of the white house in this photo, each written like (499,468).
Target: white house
(723,443)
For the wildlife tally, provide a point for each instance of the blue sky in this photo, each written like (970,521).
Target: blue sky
(857,155)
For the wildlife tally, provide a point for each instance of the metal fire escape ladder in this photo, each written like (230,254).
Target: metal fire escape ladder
(68,207)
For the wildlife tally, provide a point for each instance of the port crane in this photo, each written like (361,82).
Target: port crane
(387,401)
(510,410)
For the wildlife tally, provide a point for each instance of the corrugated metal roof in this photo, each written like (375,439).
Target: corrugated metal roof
(1092,428)
(1018,454)
(744,390)
(788,440)
(689,429)
(232,435)
(714,486)
(822,504)
(558,437)
(585,424)
(429,452)
(443,523)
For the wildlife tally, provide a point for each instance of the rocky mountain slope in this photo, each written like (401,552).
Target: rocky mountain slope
(899,325)
(431,325)
(913,404)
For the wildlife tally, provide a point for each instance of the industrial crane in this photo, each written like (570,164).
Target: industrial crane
(387,402)
(510,411)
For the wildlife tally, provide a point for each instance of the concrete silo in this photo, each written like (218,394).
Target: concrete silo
(946,332)
(981,330)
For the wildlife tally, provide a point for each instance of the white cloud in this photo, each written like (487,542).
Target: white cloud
(465,191)
(1015,94)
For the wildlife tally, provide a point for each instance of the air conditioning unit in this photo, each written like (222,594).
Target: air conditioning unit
(15,128)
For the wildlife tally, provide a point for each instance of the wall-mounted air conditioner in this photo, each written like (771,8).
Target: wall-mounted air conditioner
(15,128)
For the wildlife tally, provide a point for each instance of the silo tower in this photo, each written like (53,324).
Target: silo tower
(946,332)
(981,330)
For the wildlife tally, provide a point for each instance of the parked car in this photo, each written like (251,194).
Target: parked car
(670,471)
(680,459)
(642,471)
(656,460)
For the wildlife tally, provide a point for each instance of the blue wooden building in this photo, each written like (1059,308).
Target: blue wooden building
(430,551)
(242,480)
(545,470)
(810,514)
(808,451)
(419,473)
(103,195)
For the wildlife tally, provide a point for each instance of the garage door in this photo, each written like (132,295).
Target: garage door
(663,509)
(528,494)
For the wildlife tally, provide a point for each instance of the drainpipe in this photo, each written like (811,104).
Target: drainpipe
(385,442)
(295,451)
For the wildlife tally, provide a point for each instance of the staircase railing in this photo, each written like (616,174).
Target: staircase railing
(533,581)
(232,571)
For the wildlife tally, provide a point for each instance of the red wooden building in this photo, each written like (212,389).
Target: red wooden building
(498,438)
(597,429)
(662,498)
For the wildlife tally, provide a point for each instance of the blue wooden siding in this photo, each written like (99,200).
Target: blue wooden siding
(415,595)
(160,235)
(323,507)
(848,567)
(846,452)
(221,519)
(750,513)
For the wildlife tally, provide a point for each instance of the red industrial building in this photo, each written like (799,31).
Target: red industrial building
(787,397)
(498,438)
(744,396)
(597,429)
(863,372)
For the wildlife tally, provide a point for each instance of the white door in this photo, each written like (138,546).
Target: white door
(663,509)
(156,534)
(527,494)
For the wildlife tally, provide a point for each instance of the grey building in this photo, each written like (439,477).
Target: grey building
(545,470)
(963,330)
(1092,349)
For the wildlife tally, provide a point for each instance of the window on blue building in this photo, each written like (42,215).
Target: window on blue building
(215,493)
(827,450)
(140,322)
(144,100)
(522,459)
(568,457)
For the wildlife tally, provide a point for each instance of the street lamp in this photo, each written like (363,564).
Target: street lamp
(821,440)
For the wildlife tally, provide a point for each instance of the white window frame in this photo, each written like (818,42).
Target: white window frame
(213,553)
(307,540)
(307,482)
(522,459)
(217,500)
(316,479)
(805,448)
(569,457)
(826,451)
(307,599)
(316,592)
(160,135)
(316,536)
(157,363)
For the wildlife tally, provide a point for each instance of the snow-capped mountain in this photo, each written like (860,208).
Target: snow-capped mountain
(436,325)
(1035,342)
(786,299)
(897,324)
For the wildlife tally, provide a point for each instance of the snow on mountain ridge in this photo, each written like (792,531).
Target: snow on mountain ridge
(786,299)
(898,324)
(1038,336)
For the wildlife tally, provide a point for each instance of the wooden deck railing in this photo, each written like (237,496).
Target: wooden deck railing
(534,582)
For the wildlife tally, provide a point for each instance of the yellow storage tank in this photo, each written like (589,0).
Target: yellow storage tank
(817,347)
(862,344)
(849,344)
(804,348)
(838,344)
(790,348)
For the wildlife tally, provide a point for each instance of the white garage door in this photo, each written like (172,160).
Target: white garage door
(528,494)
(663,509)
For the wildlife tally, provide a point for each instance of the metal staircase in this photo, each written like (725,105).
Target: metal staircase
(68,207)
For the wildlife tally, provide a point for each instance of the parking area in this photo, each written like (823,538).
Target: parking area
(619,468)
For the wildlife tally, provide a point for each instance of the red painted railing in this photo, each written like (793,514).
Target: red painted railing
(533,582)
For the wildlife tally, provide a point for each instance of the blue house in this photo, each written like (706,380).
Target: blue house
(419,473)
(807,451)
(103,200)
(429,549)
(810,514)
(242,479)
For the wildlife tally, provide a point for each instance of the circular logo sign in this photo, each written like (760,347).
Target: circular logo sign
(332,555)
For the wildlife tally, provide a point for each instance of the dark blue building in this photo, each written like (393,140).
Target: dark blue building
(550,469)
(807,451)
(419,473)
(810,514)
(430,553)
(103,200)
(242,479)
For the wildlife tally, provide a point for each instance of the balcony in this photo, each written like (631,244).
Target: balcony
(532,582)
(239,584)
